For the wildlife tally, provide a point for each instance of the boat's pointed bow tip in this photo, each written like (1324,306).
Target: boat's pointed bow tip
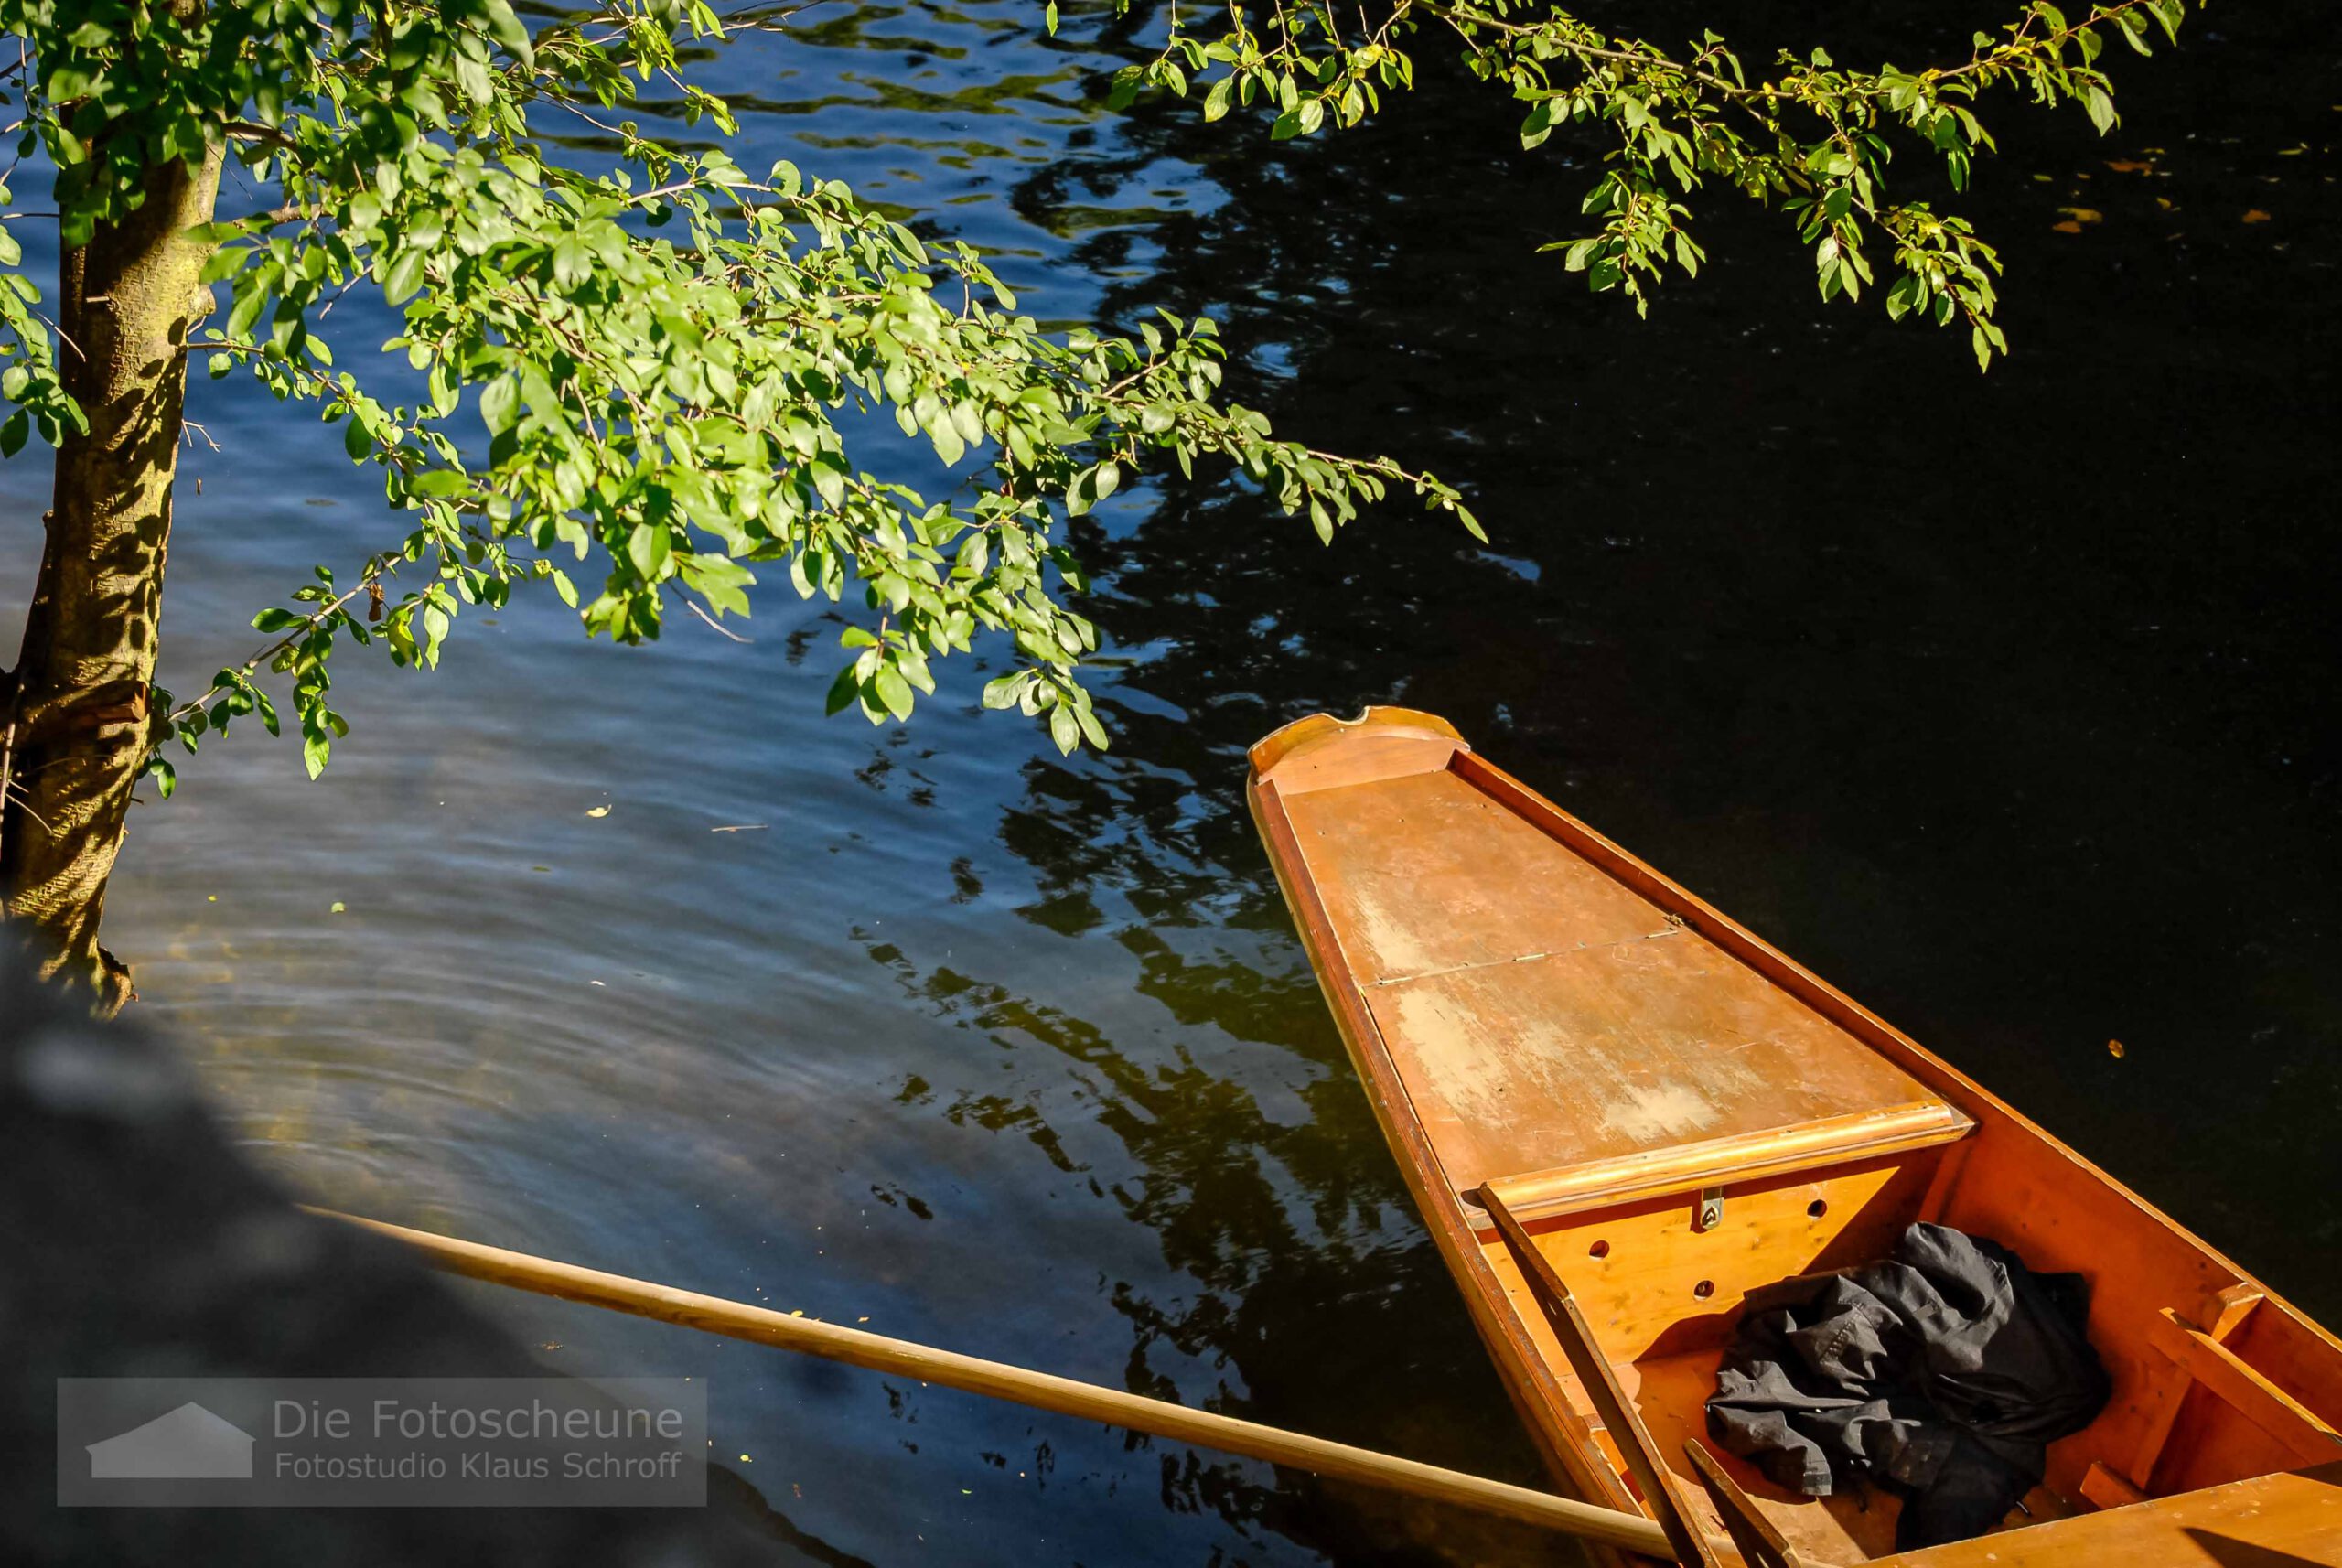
(1319,736)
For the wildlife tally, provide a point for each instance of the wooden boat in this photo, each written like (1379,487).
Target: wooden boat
(1620,1111)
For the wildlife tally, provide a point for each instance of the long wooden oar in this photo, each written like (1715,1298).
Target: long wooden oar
(761,1325)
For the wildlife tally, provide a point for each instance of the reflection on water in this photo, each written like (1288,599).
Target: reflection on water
(2002,701)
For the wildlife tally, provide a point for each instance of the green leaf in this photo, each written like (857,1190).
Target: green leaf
(892,690)
(844,690)
(471,76)
(442,484)
(404,278)
(507,30)
(1907,292)
(499,403)
(572,261)
(947,445)
(2100,107)
(648,548)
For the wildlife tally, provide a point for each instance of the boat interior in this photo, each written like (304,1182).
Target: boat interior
(1604,1088)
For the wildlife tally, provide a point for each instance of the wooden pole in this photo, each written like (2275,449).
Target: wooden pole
(1089,1401)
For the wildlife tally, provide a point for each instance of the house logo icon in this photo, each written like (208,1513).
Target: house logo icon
(189,1443)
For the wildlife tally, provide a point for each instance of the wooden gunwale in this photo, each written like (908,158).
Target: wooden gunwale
(1576,1462)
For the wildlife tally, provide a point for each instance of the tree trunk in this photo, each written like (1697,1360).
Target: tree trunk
(77,729)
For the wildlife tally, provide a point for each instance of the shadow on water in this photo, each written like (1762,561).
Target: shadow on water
(1284,1226)
(2001,700)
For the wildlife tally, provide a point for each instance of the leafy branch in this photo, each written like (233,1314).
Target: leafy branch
(1813,137)
(639,393)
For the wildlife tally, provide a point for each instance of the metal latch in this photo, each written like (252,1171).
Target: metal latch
(1711,1214)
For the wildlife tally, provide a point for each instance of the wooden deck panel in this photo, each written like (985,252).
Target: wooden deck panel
(1423,875)
(1547,1020)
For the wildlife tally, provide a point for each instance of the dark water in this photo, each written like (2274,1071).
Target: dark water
(2004,702)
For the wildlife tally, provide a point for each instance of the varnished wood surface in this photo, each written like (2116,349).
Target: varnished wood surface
(1545,1018)
(1637,1268)
(1742,1157)
(1323,752)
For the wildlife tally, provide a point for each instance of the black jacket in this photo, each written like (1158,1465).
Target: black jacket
(1943,1373)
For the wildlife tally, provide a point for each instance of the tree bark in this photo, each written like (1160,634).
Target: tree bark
(77,730)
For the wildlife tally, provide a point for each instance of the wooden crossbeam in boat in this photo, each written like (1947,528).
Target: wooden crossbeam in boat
(2226,1315)
(2243,1387)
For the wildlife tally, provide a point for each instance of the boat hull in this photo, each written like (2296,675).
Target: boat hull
(1680,1114)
